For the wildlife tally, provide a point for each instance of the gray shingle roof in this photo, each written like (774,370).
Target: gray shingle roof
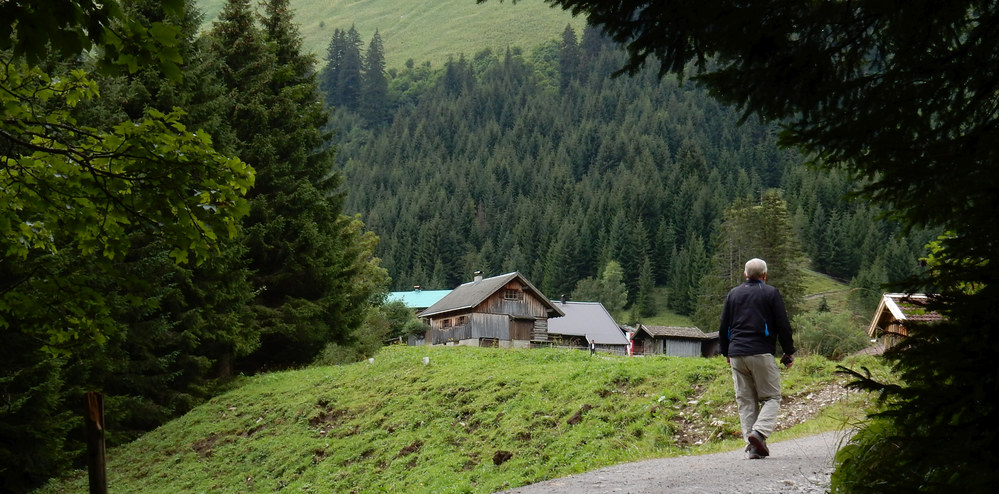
(588,319)
(693,333)
(470,295)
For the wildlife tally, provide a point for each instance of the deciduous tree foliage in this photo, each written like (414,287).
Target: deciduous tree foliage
(79,188)
(104,198)
(66,28)
(80,197)
(609,289)
(168,353)
(903,95)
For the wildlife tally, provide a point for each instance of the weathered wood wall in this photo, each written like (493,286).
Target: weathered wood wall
(496,317)
(521,329)
(528,305)
(666,346)
(490,326)
(682,348)
(540,330)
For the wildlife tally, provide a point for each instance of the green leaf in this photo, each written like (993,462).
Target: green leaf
(165,34)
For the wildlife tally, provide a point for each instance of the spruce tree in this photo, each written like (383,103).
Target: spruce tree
(558,278)
(688,266)
(342,78)
(350,77)
(569,58)
(374,96)
(749,230)
(208,301)
(591,45)
(645,302)
(312,266)
(329,76)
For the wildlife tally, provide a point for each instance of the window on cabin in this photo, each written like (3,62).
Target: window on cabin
(445,323)
(461,321)
(512,294)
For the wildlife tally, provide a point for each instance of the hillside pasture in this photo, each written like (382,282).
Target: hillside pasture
(425,31)
(468,420)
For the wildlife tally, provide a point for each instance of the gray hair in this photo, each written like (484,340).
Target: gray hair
(756,268)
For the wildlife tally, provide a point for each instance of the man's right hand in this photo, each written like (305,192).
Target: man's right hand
(787,360)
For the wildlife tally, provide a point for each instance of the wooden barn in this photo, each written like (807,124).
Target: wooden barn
(505,310)
(674,341)
(585,322)
(894,312)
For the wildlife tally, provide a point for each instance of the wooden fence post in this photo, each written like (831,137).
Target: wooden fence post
(96,464)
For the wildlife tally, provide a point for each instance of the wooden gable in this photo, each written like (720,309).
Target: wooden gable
(895,312)
(501,308)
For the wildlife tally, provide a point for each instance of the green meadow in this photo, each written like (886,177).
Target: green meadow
(426,30)
(467,420)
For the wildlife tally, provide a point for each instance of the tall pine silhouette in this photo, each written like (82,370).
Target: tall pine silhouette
(313,267)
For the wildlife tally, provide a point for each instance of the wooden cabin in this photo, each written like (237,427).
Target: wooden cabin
(894,312)
(505,310)
(676,341)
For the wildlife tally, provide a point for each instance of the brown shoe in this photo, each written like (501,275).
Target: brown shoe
(751,452)
(759,443)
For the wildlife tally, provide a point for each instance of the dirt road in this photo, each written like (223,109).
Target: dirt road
(794,466)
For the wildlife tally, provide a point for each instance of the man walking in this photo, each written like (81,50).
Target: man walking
(752,321)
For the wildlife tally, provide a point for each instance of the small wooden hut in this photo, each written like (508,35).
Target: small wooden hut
(894,313)
(676,341)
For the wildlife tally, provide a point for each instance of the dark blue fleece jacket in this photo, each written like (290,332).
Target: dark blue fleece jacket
(753,320)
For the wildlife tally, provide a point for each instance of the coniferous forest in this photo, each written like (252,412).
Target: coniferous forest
(183,202)
(365,178)
(548,163)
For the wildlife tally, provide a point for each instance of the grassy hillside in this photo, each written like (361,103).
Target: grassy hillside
(426,30)
(472,420)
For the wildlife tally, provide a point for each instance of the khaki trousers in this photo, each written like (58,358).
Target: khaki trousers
(757,392)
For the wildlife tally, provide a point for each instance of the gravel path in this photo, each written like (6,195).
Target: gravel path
(794,466)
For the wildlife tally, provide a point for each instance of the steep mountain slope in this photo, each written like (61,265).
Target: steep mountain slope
(425,30)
